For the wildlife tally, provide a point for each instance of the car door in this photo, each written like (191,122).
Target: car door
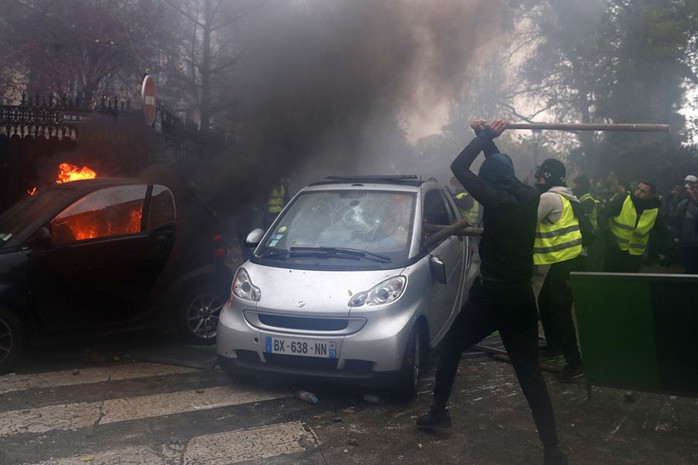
(106,251)
(446,297)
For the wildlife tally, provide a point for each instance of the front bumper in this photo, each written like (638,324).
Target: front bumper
(370,346)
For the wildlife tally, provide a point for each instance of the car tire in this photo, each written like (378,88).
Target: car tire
(11,340)
(198,313)
(406,388)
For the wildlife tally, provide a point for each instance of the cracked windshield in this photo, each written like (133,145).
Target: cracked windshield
(375,222)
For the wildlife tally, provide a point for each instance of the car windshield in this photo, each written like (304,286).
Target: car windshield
(347,227)
(22,214)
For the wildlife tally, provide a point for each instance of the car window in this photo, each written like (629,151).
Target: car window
(108,212)
(162,209)
(450,211)
(436,212)
(372,221)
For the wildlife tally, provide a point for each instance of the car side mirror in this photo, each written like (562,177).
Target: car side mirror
(438,269)
(254,238)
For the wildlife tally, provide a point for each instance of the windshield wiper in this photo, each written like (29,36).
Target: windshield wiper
(340,252)
(274,253)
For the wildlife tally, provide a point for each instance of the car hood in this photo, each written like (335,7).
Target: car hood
(321,293)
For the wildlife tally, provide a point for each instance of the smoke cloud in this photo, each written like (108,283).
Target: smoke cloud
(343,86)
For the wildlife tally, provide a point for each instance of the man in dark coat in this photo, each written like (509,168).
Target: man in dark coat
(503,300)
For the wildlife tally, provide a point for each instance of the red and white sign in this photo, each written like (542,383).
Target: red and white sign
(148,99)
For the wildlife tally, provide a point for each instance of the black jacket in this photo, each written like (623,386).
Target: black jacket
(509,218)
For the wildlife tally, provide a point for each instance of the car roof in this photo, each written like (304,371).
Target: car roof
(93,184)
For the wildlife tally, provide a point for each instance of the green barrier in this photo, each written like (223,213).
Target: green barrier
(638,331)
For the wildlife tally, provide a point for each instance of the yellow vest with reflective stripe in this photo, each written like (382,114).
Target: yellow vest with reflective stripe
(594,216)
(558,242)
(474,212)
(276,200)
(630,233)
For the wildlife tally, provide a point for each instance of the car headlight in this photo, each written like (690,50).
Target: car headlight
(388,291)
(243,288)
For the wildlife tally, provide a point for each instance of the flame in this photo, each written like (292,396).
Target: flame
(68,173)
(122,219)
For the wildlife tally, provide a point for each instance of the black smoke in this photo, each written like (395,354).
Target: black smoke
(326,86)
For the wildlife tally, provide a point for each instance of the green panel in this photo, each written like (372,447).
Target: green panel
(616,330)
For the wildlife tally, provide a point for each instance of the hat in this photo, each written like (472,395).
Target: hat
(553,171)
(690,178)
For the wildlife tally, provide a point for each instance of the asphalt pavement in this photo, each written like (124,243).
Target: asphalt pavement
(492,424)
(491,420)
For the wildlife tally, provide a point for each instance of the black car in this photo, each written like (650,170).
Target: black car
(107,254)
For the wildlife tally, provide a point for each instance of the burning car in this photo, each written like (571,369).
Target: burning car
(106,254)
(348,284)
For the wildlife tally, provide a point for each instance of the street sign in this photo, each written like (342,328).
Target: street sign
(148,99)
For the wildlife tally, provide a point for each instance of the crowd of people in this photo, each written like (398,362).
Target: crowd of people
(589,226)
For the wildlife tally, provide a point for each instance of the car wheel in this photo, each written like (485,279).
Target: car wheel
(11,340)
(198,315)
(411,366)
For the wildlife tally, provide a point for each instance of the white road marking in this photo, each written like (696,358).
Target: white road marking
(80,415)
(239,446)
(14,382)
(225,448)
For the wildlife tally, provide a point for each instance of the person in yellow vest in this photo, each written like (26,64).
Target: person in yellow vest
(627,222)
(591,206)
(468,206)
(278,198)
(558,243)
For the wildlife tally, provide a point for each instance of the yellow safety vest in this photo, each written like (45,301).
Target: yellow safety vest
(558,242)
(276,200)
(473,214)
(632,234)
(594,216)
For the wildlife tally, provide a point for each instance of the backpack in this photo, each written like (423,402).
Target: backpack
(585,226)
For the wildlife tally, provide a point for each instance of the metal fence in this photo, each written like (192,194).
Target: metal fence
(40,132)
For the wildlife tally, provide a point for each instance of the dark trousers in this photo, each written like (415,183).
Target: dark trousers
(555,307)
(620,261)
(509,308)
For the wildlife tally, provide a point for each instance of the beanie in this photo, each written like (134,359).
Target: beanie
(553,171)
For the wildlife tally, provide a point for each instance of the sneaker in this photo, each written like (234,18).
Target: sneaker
(437,418)
(570,372)
(555,457)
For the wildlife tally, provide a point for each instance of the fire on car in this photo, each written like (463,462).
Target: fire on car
(96,255)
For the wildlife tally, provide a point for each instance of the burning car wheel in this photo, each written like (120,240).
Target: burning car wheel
(198,317)
(11,340)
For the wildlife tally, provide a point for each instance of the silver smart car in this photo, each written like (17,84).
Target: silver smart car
(348,285)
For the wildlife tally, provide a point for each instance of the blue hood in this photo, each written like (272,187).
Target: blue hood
(498,171)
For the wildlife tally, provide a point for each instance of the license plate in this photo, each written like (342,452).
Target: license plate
(300,347)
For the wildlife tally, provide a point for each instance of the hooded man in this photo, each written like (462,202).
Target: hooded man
(627,222)
(558,244)
(503,300)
